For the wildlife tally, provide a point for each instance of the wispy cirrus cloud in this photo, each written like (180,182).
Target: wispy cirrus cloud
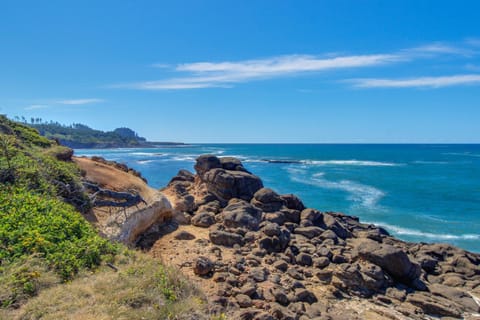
(37,106)
(420,82)
(225,74)
(79,101)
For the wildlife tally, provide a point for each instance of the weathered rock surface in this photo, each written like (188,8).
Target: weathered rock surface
(272,258)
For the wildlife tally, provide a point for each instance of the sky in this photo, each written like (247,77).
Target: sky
(247,71)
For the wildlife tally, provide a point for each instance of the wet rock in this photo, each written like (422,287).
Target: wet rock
(203,266)
(203,219)
(226,239)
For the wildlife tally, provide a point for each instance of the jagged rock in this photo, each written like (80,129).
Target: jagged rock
(203,219)
(241,214)
(203,266)
(227,239)
(293,202)
(393,260)
(227,184)
(267,200)
(331,223)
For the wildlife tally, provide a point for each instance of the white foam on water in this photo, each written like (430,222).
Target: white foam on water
(144,161)
(351,163)
(464,154)
(430,162)
(429,235)
(365,195)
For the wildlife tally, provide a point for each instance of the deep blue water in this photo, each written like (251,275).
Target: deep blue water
(428,193)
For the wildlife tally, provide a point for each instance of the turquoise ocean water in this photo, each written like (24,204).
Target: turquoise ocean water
(428,193)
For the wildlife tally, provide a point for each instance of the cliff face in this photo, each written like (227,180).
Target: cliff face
(261,255)
(124,206)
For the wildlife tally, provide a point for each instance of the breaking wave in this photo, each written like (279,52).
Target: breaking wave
(417,233)
(365,195)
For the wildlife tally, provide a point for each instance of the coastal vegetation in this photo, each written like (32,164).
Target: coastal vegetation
(52,261)
(78,135)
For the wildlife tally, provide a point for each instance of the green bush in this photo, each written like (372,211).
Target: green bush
(34,224)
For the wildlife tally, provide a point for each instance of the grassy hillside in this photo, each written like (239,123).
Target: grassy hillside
(52,261)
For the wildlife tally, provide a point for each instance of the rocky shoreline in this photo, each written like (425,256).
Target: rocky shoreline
(266,256)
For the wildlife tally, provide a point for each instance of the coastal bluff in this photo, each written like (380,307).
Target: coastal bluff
(257,254)
(261,255)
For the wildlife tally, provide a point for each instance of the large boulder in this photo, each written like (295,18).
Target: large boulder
(241,214)
(391,259)
(227,184)
(267,200)
(224,238)
(205,163)
(231,163)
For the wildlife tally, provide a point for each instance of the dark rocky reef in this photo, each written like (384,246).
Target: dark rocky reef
(292,262)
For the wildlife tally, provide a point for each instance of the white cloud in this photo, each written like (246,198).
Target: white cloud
(79,101)
(428,82)
(37,106)
(437,48)
(224,74)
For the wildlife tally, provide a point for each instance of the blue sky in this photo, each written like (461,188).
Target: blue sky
(247,71)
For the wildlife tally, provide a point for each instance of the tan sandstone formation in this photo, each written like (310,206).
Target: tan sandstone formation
(124,206)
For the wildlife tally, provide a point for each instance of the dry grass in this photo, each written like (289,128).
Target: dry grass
(142,289)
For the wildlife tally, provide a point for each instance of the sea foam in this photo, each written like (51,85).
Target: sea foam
(417,233)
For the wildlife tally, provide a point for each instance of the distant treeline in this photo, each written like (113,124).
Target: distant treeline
(79,135)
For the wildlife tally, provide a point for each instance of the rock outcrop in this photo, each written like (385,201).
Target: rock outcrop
(261,255)
(124,206)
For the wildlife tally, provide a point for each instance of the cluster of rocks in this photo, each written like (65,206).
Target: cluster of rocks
(286,261)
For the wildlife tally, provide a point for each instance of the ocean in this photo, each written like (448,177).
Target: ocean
(418,192)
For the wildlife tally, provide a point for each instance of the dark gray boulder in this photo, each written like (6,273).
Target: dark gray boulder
(391,259)
(267,200)
(227,239)
(227,184)
(241,214)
